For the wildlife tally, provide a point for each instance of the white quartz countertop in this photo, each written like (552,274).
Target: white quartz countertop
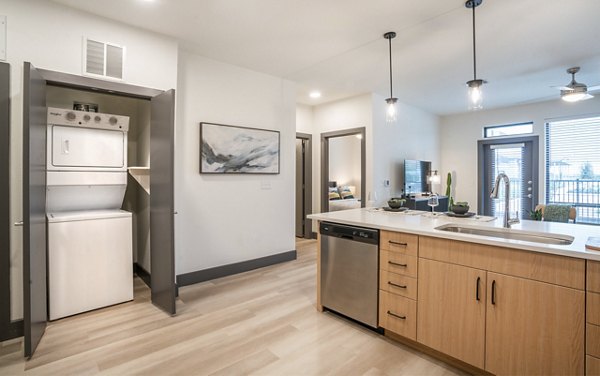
(423,223)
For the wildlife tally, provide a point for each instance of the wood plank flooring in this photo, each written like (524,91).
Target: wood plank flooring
(262,322)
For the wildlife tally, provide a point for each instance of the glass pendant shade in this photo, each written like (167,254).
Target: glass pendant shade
(391,113)
(475,94)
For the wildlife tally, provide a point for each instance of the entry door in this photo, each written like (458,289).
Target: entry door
(162,248)
(300,186)
(517,158)
(34,207)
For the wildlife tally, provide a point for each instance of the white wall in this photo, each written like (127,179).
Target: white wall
(415,135)
(51,37)
(224,219)
(304,119)
(459,135)
(355,112)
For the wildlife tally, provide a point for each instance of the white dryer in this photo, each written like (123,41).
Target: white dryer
(89,238)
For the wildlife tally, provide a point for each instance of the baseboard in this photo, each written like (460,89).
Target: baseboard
(142,273)
(13,330)
(239,267)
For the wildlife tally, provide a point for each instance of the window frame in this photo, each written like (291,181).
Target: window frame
(490,127)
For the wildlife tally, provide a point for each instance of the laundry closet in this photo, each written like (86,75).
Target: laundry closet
(98,198)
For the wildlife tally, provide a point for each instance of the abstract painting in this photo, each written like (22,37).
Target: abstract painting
(227,149)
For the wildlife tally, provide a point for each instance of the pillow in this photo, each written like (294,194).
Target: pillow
(333,189)
(346,195)
(334,196)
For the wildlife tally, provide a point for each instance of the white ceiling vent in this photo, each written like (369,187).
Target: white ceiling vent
(103,59)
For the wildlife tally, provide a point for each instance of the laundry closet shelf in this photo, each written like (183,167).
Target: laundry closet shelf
(142,176)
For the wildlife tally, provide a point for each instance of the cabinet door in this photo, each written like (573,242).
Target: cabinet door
(451,310)
(533,328)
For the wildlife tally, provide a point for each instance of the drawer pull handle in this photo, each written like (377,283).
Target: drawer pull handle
(396,316)
(397,264)
(398,243)
(396,285)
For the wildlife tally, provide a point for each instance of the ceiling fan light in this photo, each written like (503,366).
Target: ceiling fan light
(574,96)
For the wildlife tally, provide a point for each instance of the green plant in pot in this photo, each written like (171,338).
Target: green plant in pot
(536,215)
(460,207)
(396,202)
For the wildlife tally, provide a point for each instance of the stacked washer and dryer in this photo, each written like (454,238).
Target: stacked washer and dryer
(89,237)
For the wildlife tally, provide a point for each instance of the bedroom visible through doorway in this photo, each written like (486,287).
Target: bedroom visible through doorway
(343,170)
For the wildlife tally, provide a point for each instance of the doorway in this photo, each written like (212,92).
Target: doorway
(517,157)
(343,169)
(303,185)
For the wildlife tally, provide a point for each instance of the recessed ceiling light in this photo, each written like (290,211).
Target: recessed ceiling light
(315,94)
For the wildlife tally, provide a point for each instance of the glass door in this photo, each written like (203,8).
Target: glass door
(518,159)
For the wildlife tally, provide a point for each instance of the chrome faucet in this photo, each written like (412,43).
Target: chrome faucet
(494,195)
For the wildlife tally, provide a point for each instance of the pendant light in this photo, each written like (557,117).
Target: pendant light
(391,111)
(475,85)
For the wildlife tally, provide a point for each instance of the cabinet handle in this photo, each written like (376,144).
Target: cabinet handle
(396,285)
(396,316)
(494,292)
(397,264)
(398,243)
(477,289)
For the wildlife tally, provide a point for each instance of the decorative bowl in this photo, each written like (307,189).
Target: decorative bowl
(460,209)
(396,203)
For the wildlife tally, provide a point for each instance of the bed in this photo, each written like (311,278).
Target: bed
(342,197)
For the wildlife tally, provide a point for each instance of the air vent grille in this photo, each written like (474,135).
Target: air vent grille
(103,59)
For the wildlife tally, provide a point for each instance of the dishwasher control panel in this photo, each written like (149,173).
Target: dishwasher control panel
(366,235)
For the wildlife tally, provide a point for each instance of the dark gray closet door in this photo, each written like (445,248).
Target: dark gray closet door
(34,207)
(162,248)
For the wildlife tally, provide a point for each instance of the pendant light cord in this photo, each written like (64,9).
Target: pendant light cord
(474,46)
(391,88)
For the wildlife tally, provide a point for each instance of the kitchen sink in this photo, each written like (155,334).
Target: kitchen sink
(511,234)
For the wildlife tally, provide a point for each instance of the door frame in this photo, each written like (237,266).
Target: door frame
(8,329)
(481,144)
(307,182)
(325,163)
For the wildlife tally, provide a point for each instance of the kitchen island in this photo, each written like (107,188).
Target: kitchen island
(487,303)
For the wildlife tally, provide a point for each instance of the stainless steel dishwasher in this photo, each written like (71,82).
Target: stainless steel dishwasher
(349,271)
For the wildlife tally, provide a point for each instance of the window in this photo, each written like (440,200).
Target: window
(573,166)
(508,130)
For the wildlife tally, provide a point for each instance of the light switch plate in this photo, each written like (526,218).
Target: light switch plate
(2,37)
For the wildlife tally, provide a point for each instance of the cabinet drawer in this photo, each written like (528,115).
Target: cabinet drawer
(398,284)
(592,366)
(592,340)
(593,308)
(399,242)
(593,276)
(398,314)
(398,263)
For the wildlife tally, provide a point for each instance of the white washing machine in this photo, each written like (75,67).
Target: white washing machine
(90,259)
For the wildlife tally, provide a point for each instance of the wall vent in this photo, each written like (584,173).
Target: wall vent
(103,59)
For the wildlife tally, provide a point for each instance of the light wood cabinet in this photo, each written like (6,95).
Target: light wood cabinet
(533,328)
(451,310)
(398,263)
(398,284)
(592,332)
(399,242)
(398,314)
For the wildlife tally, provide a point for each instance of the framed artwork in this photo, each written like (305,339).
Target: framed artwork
(227,149)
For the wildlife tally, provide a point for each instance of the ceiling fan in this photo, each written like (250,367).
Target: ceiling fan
(575,91)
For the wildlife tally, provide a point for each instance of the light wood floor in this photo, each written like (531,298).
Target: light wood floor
(263,322)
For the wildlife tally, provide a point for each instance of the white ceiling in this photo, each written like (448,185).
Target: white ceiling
(337,47)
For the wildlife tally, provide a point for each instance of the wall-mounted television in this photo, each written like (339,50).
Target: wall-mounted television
(415,176)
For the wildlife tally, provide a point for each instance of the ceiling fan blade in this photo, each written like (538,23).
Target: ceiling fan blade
(594,88)
(562,88)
